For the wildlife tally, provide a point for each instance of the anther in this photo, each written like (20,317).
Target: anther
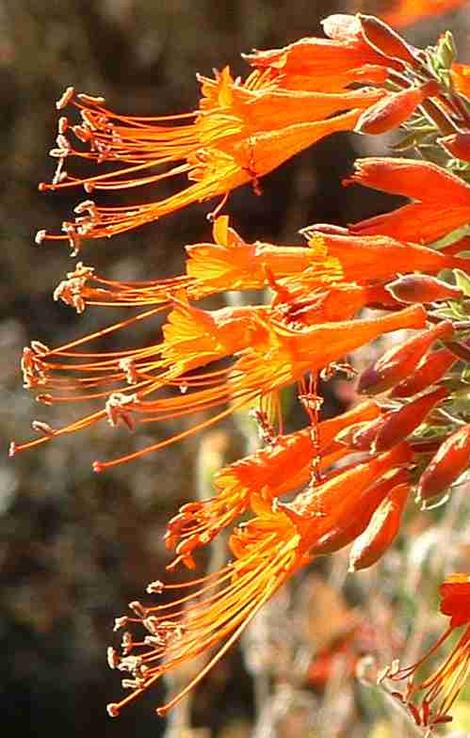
(112,709)
(120,622)
(39,348)
(138,608)
(64,100)
(40,235)
(155,587)
(62,124)
(40,427)
(94,100)
(112,657)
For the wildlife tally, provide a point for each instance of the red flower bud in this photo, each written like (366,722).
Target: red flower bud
(398,362)
(394,109)
(446,466)
(381,37)
(381,531)
(430,369)
(422,288)
(398,424)
(458,145)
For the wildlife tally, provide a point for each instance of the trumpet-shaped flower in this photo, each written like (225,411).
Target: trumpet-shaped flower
(268,549)
(237,135)
(441,200)
(279,467)
(280,356)
(332,63)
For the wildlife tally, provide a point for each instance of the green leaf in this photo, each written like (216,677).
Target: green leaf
(462,280)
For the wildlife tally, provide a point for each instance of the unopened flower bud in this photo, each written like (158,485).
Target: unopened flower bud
(422,288)
(382,37)
(394,109)
(446,466)
(457,144)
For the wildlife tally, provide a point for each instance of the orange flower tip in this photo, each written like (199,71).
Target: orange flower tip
(161,711)
(12,449)
(98,467)
(384,39)
(112,709)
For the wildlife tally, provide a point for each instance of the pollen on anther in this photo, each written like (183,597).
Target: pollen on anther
(40,235)
(64,100)
(155,587)
(112,709)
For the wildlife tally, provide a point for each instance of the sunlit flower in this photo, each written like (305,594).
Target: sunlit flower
(227,263)
(213,611)
(430,700)
(237,135)
(284,465)
(342,59)
(441,200)
(278,356)
(365,258)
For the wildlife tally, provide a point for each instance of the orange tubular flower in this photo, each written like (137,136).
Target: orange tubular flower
(230,263)
(268,549)
(325,64)
(209,612)
(238,135)
(366,258)
(278,356)
(279,467)
(441,200)
(431,700)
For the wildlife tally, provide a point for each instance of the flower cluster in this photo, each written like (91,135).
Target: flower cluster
(349,478)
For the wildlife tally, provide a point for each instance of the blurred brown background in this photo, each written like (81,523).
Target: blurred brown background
(77,547)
